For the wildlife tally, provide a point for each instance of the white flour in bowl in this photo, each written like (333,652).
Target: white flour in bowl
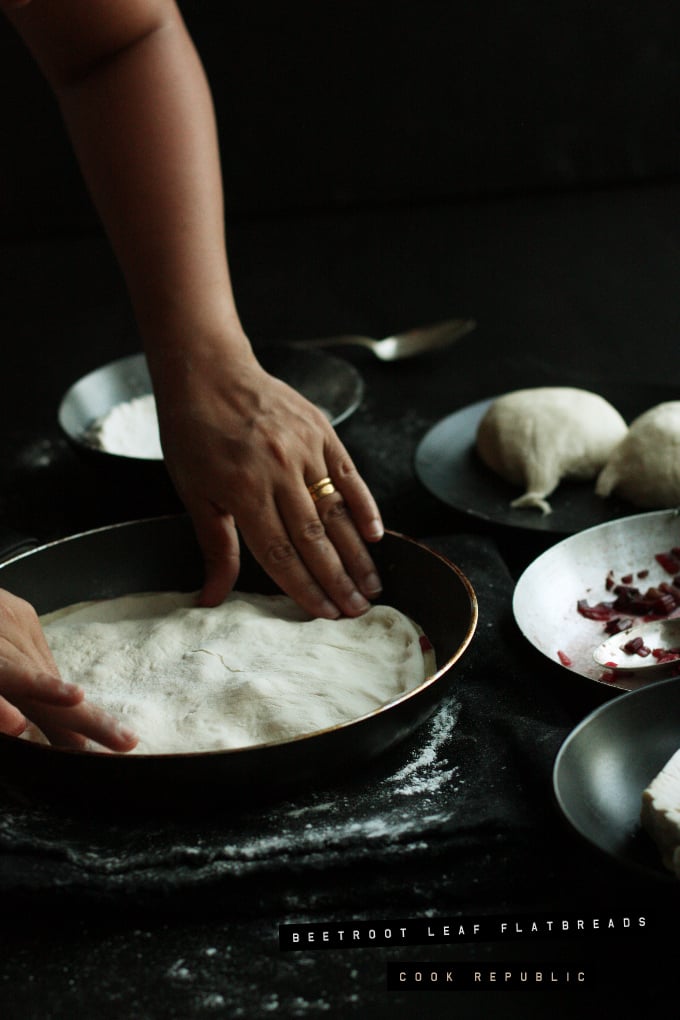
(129,429)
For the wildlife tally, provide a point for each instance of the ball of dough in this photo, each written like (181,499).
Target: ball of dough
(645,466)
(536,437)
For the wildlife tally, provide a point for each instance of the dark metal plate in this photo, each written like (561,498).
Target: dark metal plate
(605,764)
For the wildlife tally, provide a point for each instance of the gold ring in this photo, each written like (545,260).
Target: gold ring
(324,487)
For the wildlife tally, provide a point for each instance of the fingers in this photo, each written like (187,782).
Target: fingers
(74,727)
(275,551)
(329,550)
(19,679)
(313,549)
(340,530)
(21,633)
(218,538)
(355,493)
(12,721)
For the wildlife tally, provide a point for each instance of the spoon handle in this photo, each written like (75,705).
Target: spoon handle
(336,341)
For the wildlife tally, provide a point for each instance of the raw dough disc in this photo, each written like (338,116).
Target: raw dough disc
(644,467)
(254,670)
(535,437)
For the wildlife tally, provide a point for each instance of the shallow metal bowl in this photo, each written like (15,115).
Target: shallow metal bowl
(331,383)
(546,595)
(607,761)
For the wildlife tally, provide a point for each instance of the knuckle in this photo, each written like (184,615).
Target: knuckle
(312,531)
(344,470)
(336,512)
(279,553)
(341,584)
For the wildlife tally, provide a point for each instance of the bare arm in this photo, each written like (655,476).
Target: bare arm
(138,108)
(242,447)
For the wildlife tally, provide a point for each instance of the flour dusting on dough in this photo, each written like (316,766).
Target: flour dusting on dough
(254,670)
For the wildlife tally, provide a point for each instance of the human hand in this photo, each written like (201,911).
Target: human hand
(243,450)
(32,690)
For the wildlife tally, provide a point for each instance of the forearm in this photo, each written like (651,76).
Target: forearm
(141,121)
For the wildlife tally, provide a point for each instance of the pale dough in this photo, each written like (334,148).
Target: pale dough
(535,437)
(645,467)
(254,670)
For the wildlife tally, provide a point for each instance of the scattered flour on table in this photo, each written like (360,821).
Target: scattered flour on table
(254,670)
(129,429)
(393,814)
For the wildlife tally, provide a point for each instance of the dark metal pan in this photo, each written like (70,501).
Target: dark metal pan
(605,764)
(162,554)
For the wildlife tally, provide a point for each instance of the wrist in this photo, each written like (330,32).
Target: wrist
(187,344)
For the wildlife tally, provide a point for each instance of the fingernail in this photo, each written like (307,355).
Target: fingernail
(68,689)
(329,610)
(372,584)
(126,734)
(374,530)
(358,602)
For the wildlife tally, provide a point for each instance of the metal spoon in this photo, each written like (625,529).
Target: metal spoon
(663,633)
(401,345)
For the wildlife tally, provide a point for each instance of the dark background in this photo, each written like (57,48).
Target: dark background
(337,105)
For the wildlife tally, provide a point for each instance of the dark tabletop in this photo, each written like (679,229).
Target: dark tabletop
(167,917)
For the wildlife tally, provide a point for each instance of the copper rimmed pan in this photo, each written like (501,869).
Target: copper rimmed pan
(161,553)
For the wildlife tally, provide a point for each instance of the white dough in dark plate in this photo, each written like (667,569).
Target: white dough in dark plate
(534,438)
(644,467)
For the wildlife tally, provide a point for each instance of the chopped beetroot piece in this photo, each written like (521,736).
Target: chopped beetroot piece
(618,624)
(627,579)
(676,581)
(599,611)
(663,605)
(633,645)
(608,678)
(671,590)
(642,574)
(675,551)
(563,657)
(644,651)
(631,602)
(666,654)
(425,643)
(609,582)
(612,665)
(669,562)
